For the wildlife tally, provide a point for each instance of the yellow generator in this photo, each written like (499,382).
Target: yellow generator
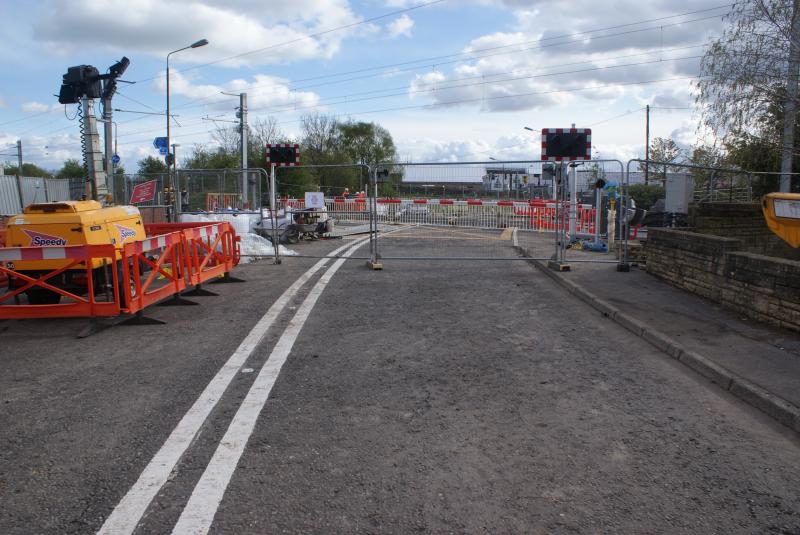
(60,224)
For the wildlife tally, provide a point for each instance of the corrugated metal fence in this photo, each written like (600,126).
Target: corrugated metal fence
(33,190)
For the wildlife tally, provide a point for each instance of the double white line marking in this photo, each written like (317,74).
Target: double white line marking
(208,493)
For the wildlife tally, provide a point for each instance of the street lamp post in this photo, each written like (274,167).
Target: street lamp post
(196,44)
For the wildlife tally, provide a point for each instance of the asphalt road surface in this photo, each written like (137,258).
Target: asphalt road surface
(430,397)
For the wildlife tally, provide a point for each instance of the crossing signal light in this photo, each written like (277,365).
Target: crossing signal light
(283,154)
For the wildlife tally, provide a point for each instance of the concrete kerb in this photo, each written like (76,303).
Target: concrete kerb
(774,406)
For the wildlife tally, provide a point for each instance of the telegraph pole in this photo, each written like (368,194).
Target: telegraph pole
(243,143)
(19,175)
(108,126)
(647,146)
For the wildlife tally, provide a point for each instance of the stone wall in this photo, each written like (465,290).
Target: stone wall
(743,221)
(760,287)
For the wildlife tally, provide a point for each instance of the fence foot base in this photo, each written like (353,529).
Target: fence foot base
(558,266)
(140,319)
(623,267)
(199,291)
(376,266)
(94,327)
(176,301)
(226,279)
(97,325)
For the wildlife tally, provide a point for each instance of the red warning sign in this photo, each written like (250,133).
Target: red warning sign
(146,191)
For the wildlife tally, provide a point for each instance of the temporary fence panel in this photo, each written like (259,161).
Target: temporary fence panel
(214,190)
(57,189)
(352,214)
(9,196)
(34,190)
(478,228)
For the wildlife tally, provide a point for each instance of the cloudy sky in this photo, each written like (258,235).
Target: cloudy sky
(452,80)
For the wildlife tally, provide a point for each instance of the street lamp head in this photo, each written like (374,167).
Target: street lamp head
(198,44)
(528,128)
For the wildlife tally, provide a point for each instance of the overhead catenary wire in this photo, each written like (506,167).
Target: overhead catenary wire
(315,106)
(443,105)
(305,37)
(435,87)
(705,10)
(631,112)
(436,62)
(349,97)
(429,106)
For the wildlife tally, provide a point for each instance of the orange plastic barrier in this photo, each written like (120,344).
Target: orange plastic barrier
(77,305)
(164,275)
(211,251)
(179,255)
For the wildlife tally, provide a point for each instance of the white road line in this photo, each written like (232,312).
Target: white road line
(130,510)
(207,495)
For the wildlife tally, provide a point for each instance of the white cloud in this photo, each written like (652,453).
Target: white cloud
(400,26)
(34,107)
(263,91)
(157,27)
(523,70)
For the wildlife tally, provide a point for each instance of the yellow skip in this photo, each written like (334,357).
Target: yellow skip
(782,213)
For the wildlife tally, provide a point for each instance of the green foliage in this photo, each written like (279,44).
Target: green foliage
(646,195)
(28,169)
(202,158)
(72,169)
(324,141)
(151,165)
(387,189)
(759,154)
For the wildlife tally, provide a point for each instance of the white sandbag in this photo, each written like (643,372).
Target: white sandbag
(254,246)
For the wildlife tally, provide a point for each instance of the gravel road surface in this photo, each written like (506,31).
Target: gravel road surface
(431,397)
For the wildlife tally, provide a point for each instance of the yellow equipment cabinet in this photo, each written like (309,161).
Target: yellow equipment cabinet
(782,213)
(60,224)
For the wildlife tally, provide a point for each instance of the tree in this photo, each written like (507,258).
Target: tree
(754,64)
(28,169)
(367,143)
(662,150)
(320,137)
(151,165)
(72,169)
(227,139)
(203,158)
